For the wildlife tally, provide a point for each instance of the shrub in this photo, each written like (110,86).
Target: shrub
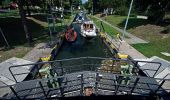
(122,10)
(167,29)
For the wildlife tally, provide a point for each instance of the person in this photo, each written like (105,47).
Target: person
(88,91)
(118,36)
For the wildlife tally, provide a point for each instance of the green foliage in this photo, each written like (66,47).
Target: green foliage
(5,3)
(126,70)
(76,2)
(52,83)
(141,5)
(122,10)
(50,74)
(119,6)
(88,5)
(13,13)
(154,9)
(167,29)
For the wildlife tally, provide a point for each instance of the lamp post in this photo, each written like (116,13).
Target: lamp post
(127,18)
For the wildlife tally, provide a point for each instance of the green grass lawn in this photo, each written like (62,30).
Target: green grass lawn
(108,29)
(157,42)
(119,21)
(154,48)
(115,19)
(10,13)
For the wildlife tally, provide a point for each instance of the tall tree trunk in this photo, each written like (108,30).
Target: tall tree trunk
(28,9)
(23,19)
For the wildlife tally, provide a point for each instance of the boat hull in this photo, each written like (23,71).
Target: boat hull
(88,35)
(88,30)
(71,36)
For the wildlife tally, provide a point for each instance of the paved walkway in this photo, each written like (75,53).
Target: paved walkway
(39,51)
(125,48)
(131,40)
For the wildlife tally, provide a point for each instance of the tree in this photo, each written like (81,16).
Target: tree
(119,6)
(88,5)
(23,19)
(5,3)
(154,9)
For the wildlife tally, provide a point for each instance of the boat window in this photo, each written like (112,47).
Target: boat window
(91,26)
(84,25)
(88,26)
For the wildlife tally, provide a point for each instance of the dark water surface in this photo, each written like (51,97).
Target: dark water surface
(83,47)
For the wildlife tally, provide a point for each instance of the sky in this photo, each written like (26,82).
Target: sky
(83,1)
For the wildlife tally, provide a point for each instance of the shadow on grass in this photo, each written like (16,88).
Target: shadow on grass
(41,17)
(134,22)
(165,22)
(14,33)
(67,16)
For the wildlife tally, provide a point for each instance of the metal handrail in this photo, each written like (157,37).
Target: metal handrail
(38,63)
(160,64)
(96,82)
(131,88)
(81,58)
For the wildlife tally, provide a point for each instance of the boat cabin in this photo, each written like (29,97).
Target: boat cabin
(88,26)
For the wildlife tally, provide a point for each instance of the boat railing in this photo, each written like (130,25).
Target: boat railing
(155,69)
(74,84)
(79,64)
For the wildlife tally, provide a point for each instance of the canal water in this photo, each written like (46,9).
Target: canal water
(83,48)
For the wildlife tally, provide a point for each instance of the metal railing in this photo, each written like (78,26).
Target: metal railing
(79,64)
(38,89)
(100,82)
(156,64)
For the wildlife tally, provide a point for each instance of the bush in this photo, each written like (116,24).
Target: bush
(122,10)
(167,29)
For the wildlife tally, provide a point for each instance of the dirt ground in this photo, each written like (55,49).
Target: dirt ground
(150,32)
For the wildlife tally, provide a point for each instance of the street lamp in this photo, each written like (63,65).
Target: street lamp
(127,18)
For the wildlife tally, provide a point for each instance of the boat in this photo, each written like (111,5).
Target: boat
(88,30)
(71,35)
(80,19)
